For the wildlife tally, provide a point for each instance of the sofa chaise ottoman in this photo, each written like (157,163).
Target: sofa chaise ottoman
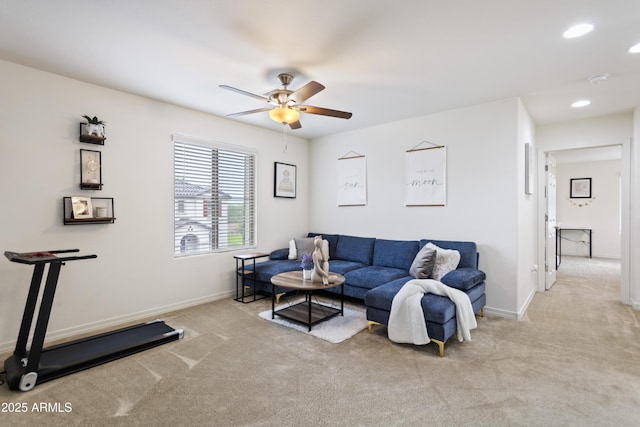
(439,311)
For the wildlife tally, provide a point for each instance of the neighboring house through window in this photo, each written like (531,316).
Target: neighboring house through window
(214,197)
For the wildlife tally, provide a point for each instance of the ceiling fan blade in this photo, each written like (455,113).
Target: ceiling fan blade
(244,113)
(295,125)
(325,112)
(244,92)
(306,92)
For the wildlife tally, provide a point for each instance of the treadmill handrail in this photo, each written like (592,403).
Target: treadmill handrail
(43,257)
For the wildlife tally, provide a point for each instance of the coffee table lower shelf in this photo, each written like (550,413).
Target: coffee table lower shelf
(308,313)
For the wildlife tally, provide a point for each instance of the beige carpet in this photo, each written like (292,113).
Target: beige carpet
(574,360)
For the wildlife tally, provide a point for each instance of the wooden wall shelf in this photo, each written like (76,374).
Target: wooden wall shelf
(104,204)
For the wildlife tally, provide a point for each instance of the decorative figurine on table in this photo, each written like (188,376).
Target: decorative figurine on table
(321,262)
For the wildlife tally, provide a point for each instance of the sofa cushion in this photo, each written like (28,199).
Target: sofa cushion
(373,276)
(468,251)
(332,239)
(440,309)
(358,249)
(265,270)
(463,278)
(279,254)
(423,263)
(394,253)
(341,266)
(382,296)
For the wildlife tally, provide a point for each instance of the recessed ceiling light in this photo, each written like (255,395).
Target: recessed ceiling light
(581,103)
(577,31)
(635,48)
(598,78)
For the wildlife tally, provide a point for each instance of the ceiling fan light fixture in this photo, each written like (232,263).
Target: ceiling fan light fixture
(284,114)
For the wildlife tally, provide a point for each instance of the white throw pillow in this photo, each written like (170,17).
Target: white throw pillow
(293,253)
(446,260)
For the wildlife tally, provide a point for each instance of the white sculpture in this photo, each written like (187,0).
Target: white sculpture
(321,262)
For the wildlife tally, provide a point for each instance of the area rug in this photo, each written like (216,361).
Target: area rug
(335,330)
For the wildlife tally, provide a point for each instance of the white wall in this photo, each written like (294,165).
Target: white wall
(527,216)
(484,166)
(601,214)
(135,273)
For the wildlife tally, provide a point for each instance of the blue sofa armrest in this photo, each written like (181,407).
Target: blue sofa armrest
(280,254)
(463,278)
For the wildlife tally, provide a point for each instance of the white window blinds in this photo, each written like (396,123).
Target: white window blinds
(214,198)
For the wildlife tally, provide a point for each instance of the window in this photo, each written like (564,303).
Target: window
(214,197)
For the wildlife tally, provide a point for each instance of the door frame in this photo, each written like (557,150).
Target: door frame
(625,202)
(550,270)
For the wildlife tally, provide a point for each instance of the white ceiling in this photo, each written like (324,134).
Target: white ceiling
(382,60)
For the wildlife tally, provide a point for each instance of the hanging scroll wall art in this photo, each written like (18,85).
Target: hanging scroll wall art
(426,176)
(352,180)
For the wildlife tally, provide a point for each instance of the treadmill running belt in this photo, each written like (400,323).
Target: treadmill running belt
(85,353)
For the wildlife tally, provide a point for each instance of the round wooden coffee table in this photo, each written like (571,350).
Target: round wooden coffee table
(306,312)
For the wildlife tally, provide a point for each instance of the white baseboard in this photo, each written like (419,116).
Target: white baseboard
(500,313)
(120,320)
(525,306)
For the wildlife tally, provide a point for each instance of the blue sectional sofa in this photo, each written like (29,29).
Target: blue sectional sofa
(376,269)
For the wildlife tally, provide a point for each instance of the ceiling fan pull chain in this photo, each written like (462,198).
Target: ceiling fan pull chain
(285,138)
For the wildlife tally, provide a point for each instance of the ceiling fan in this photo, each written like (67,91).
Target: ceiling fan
(287,104)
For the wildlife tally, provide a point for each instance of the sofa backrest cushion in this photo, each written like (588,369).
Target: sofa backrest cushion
(395,253)
(332,239)
(351,248)
(468,251)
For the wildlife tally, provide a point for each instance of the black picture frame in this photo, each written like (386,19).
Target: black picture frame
(90,170)
(580,188)
(285,180)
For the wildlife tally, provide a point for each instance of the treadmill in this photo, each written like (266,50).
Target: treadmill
(24,369)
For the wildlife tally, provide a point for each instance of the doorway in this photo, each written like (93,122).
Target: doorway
(560,210)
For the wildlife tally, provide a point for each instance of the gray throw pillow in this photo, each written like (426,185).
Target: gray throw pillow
(423,263)
(304,245)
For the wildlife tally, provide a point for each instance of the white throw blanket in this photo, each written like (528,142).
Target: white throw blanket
(406,321)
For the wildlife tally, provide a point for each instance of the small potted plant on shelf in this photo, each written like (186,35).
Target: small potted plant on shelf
(306,264)
(92,131)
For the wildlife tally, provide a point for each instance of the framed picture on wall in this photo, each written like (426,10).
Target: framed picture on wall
(82,208)
(284,182)
(580,188)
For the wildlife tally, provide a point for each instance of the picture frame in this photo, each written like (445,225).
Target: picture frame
(529,161)
(352,181)
(82,207)
(90,170)
(284,180)
(426,176)
(580,188)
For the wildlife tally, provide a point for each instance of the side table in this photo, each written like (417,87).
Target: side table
(242,274)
